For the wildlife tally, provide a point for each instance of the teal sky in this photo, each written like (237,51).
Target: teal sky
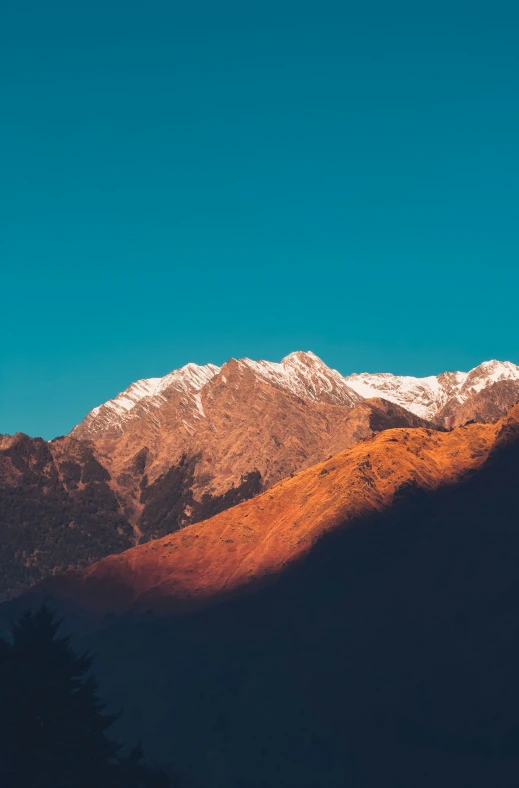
(194,181)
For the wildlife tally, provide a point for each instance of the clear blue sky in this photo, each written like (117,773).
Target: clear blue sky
(199,180)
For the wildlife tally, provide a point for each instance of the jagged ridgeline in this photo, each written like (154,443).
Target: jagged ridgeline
(172,451)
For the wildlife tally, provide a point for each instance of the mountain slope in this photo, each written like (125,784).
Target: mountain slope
(180,449)
(267,418)
(260,537)
(183,391)
(71,501)
(143,397)
(57,510)
(440,398)
(301,374)
(251,417)
(385,655)
(481,404)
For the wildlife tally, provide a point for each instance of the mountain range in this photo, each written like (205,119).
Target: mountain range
(434,398)
(356,624)
(290,577)
(258,538)
(169,452)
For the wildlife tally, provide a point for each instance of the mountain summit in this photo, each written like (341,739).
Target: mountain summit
(448,399)
(301,374)
(211,430)
(173,451)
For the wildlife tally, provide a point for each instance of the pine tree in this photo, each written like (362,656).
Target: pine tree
(52,723)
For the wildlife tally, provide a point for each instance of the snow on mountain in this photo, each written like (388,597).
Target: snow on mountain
(428,395)
(302,374)
(422,396)
(487,373)
(148,394)
(306,376)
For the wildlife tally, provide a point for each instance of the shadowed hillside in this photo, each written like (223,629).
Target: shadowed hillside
(386,655)
(251,543)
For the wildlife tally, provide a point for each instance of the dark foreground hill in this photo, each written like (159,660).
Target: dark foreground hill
(386,654)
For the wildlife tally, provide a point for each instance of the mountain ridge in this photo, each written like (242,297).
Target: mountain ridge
(305,374)
(367,604)
(70,502)
(198,441)
(260,537)
(393,631)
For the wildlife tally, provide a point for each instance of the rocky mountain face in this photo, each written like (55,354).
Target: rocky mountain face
(356,624)
(481,404)
(302,374)
(259,538)
(257,416)
(143,398)
(57,510)
(212,428)
(173,451)
(169,454)
(449,399)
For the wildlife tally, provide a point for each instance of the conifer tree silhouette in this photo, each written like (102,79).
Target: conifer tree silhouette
(52,722)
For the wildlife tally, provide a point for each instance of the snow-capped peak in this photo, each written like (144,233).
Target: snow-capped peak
(306,376)
(490,372)
(149,393)
(420,395)
(428,395)
(189,377)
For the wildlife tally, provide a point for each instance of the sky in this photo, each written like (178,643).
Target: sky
(199,181)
